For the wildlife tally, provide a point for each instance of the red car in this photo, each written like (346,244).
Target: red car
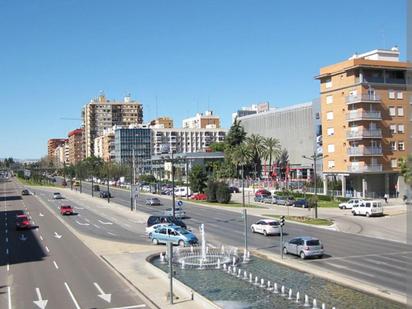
(23,222)
(262,192)
(66,210)
(199,197)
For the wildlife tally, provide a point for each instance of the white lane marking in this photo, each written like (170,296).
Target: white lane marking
(111,234)
(55,265)
(129,307)
(41,303)
(87,220)
(7,231)
(9,296)
(58,236)
(47,249)
(79,208)
(348,268)
(7,239)
(80,223)
(125,224)
(107,222)
(72,296)
(95,225)
(103,295)
(41,237)
(8,267)
(7,251)
(41,215)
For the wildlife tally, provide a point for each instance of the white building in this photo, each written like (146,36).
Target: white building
(202,121)
(61,154)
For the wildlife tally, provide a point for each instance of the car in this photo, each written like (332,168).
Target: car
(270,199)
(301,203)
(349,204)
(105,194)
(368,208)
(25,192)
(156,219)
(262,192)
(233,189)
(154,227)
(304,246)
(176,235)
(266,227)
(261,198)
(57,196)
(182,192)
(66,210)
(286,201)
(96,188)
(179,212)
(199,196)
(154,201)
(23,222)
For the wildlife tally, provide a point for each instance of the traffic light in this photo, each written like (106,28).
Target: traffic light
(282,220)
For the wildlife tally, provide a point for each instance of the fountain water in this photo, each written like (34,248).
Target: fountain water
(234,261)
(262,283)
(245,275)
(275,288)
(306,304)
(282,290)
(290,294)
(297,297)
(218,264)
(250,277)
(162,258)
(323,306)
(183,265)
(239,273)
(269,288)
(315,304)
(256,280)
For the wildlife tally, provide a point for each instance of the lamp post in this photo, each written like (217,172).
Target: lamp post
(173,187)
(108,185)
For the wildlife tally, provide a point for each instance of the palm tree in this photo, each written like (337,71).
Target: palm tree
(283,160)
(241,155)
(256,145)
(272,149)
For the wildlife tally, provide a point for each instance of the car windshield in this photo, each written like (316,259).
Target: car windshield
(313,242)
(274,223)
(22,219)
(182,231)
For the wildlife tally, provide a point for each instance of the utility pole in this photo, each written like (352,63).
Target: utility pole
(173,186)
(187,178)
(92,186)
(245,221)
(132,181)
(108,186)
(170,254)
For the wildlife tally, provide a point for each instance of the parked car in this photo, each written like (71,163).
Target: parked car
(154,201)
(261,198)
(349,204)
(182,192)
(179,212)
(199,197)
(286,201)
(66,210)
(176,235)
(23,222)
(262,192)
(156,219)
(105,194)
(233,189)
(96,188)
(270,199)
(57,196)
(304,246)
(301,203)
(368,208)
(25,192)
(266,227)
(154,227)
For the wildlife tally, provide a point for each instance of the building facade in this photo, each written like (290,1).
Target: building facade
(76,146)
(104,145)
(162,122)
(61,154)
(100,114)
(365,120)
(52,144)
(202,121)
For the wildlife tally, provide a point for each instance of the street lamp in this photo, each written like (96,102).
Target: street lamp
(166,149)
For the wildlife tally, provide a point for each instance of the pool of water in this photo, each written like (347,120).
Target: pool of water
(231,292)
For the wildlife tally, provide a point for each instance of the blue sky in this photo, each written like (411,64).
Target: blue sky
(190,55)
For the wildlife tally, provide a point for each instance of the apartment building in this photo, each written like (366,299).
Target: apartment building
(101,113)
(52,144)
(76,146)
(365,115)
(162,122)
(61,154)
(202,121)
(185,140)
(104,145)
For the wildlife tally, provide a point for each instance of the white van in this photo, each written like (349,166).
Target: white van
(368,208)
(182,191)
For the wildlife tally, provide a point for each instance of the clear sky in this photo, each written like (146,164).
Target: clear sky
(187,55)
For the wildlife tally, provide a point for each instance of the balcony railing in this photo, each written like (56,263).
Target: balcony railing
(364,168)
(364,151)
(363,115)
(363,98)
(364,134)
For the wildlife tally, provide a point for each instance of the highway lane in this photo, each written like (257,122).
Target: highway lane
(50,263)
(381,262)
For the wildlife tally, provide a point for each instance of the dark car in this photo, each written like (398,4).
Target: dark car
(165,219)
(301,203)
(233,189)
(25,192)
(154,201)
(96,188)
(105,194)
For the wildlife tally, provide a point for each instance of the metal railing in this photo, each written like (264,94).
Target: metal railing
(365,168)
(364,134)
(363,98)
(364,151)
(363,115)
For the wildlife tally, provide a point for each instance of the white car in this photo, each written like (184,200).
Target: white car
(266,227)
(368,208)
(349,204)
(150,229)
(57,196)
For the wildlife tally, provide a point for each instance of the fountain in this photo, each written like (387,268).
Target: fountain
(306,301)
(282,290)
(218,264)
(256,281)
(245,275)
(239,273)
(269,288)
(290,294)
(250,278)
(323,306)
(262,283)
(297,297)
(315,304)
(162,258)
(183,264)
(275,288)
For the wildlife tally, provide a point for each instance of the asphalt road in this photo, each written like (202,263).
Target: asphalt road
(47,266)
(381,262)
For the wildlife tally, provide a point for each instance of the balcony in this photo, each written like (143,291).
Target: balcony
(364,151)
(364,168)
(361,134)
(356,115)
(363,98)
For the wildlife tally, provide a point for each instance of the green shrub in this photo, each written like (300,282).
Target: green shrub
(211,191)
(223,193)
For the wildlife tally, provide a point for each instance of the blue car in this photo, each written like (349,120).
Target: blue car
(177,235)
(301,203)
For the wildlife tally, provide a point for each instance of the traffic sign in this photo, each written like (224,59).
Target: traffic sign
(179,203)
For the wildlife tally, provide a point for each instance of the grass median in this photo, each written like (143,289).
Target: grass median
(304,219)
(230,204)
(30,182)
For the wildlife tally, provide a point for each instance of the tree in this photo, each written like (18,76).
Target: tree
(255,143)
(223,194)
(272,149)
(406,169)
(217,147)
(236,134)
(197,179)
(241,156)
(211,191)
(283,161)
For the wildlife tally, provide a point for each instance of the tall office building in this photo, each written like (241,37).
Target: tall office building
(100,114)
(202,121)
(365,119)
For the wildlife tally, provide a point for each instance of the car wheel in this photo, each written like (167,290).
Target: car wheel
(253,230)
(354,213)
(302,255)
(265,233)
(155,241)
(181,243)
(344,207)
(368,214)
(285,250)
(320,256)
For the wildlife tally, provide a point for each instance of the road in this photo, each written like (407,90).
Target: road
(47,266)
(380,262)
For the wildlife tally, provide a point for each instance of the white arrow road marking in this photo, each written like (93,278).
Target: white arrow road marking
(80,223)
(41,303)
(41,215)
(55,265)
(87,220)
(8,267)
(72,296)
(102,222)
(111,234)
(106,297)
(95,225)
(47,249)
(23,238)
(78,207)
(57,235)
(9,296)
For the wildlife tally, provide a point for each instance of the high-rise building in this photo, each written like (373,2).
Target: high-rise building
(61,154)
(100,114)
(202,121)
(52,144)
(162,122)
(104,145)
(365,120)
(76,146)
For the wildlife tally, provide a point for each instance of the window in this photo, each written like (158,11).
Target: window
(399,95)
(391,94)
(329,99)
(329,115)
(400,111)
(401,128)
(393,145)
(331,131)
(331,164)
(394,163)
(331,148)
(328,82)
(392,111)
(392,127)
(401,146)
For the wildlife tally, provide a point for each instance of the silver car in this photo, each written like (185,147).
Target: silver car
(304,246)
(57,196)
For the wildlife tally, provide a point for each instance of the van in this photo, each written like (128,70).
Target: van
(368,208)
(182,191)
